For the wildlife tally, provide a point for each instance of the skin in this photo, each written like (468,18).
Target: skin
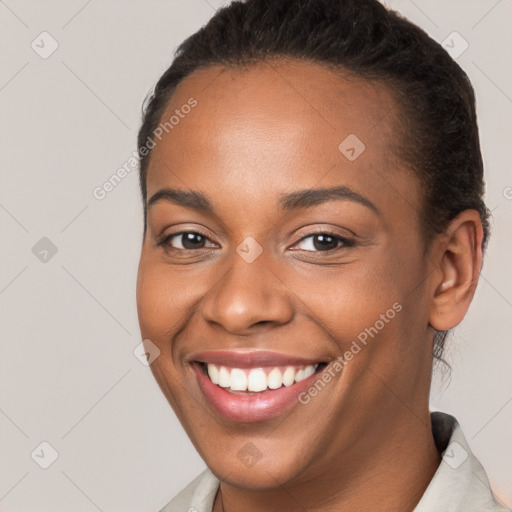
(364,442)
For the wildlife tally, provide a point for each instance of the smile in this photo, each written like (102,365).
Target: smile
(258,379)
(252,387)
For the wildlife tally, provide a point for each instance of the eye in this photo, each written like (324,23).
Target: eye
(184,241)
(323,242)
(316,242)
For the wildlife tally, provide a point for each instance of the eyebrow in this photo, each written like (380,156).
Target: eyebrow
(307,198)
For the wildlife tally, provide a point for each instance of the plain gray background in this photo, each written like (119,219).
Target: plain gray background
(68,375)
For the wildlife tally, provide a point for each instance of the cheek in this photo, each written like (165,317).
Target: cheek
(389,316)
(160,313)
(158,302)
(148,299)
(352,299)
(373,311)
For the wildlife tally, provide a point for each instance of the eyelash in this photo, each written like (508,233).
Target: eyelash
(346,242)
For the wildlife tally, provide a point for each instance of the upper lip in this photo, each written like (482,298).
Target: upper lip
(250,359)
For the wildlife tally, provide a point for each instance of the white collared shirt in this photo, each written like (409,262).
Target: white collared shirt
(460,483)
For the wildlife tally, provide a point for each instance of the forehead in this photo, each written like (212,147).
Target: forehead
(282,124)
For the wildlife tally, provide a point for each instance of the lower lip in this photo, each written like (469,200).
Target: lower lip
(255,407)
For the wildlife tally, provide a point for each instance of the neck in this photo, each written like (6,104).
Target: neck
(390,473)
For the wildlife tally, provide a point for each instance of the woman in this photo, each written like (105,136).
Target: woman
(314,225)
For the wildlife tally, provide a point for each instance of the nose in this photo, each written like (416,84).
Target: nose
(247,297)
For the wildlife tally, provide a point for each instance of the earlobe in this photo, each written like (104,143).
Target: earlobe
(459,262)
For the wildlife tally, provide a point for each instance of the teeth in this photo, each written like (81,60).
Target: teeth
(299,376)
(238,380)
(257,379)
(275,379)
(309,370)
(289,376)
(224,377)
(213,373)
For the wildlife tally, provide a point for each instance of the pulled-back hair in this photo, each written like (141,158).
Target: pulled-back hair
(439,130)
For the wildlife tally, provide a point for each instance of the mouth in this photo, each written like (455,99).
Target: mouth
(253,387)
(258,380)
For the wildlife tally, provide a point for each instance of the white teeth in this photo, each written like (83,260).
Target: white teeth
(238,380)
(289,376)
(224,377)
(213,373)
(275,379)
(299,376)
(309,370)
(256,379)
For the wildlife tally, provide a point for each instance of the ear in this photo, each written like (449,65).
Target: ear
(458,261)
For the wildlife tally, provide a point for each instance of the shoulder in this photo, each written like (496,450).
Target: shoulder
(460,483)
(197,496)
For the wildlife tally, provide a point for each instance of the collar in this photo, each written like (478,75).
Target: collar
(460,483)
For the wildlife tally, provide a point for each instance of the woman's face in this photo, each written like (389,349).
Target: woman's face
(253,283)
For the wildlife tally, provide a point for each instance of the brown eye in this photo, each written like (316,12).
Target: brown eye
(323,242)
(185,240)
